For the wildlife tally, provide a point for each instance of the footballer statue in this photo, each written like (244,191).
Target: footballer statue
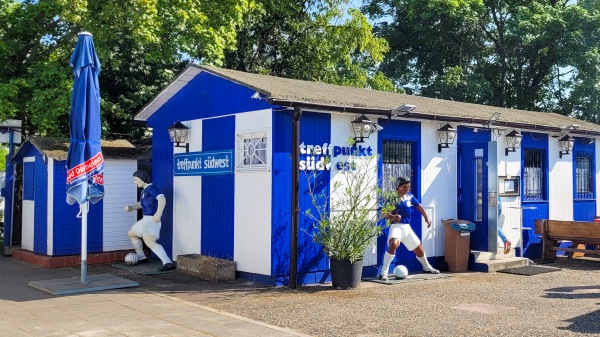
(147,230)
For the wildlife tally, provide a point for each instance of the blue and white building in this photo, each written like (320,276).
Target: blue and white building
(240,206)
(45,224)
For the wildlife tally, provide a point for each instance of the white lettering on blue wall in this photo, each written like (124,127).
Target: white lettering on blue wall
(320,157)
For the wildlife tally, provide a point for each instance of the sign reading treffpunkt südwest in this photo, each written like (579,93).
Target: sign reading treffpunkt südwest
(204,163)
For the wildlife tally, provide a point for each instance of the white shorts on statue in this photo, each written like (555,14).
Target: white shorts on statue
(405,235)
(146,226)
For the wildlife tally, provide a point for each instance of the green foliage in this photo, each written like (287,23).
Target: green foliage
(142,45)
(534,54)
(347,226)
(310,40)
(3,153)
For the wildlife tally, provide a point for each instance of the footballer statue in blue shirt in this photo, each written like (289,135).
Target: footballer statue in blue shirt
(147,230)
(401,232)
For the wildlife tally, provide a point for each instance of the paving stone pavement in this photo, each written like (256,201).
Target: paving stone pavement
(26,311)
(560,303)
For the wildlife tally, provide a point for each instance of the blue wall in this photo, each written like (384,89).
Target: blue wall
(67,227)
(218,192)
(312,261)
(40,218)
(281,190)
(584,206)
(315,129)
(531,243)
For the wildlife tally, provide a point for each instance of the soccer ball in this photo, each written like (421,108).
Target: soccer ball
(400,272)
(131,259)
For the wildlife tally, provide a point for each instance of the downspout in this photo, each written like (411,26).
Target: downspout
(295,199)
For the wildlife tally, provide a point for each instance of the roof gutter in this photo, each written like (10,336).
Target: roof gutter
(425,116)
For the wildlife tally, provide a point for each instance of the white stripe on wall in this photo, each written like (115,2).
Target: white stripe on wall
(340,132)
(27,223)
(119,191)
(252,203)
(509,166)
(27,219)
(560,184)
(438,188)
(187,216)
(50,208)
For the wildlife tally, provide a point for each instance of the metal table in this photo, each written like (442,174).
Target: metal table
(521,228)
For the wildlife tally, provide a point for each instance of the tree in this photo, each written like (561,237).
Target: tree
(3,153)
(141,44)
(534,54)
(316,40)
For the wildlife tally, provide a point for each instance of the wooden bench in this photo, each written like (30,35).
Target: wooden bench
(580,233)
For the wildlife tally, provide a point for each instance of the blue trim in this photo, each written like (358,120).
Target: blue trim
(40,211)
(281,190)
(315,129)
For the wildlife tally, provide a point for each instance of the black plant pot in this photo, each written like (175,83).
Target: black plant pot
(346,275)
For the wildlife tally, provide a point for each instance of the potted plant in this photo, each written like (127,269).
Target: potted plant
(347,220)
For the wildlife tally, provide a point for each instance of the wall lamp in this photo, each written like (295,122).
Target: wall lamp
(178,133)
(362,127)
(513,141)
(566,145)
(446,136)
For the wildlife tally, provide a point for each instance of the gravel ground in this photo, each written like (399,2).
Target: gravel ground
(561,303)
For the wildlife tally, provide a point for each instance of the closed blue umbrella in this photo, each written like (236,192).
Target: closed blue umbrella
(85,163)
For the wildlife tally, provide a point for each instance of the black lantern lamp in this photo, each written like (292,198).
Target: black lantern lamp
(178,133)
(513,141)
(446,136)
(566,145)
(362,128)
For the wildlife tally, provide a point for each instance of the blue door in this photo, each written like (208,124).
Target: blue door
(473,190)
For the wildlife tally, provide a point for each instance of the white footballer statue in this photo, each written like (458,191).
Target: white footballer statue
(131,259)
(400,272)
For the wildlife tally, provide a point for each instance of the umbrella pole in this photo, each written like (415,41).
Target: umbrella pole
(84,213)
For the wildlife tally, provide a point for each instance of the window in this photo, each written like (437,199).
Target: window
(396,160)
(478,188)
(533,177)
(251,150)
(583,176)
